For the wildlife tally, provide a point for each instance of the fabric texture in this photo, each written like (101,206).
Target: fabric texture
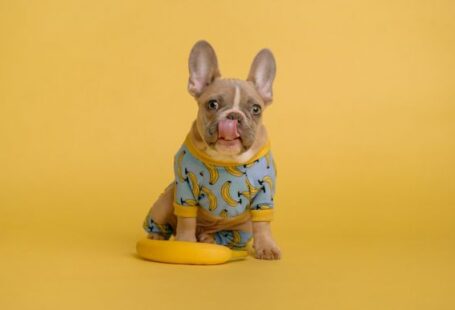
(225,190)
(234,239)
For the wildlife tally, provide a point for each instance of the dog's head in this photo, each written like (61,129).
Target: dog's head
(230,110)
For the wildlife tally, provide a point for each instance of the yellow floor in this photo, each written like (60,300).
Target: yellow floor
(93,106)
(89,269)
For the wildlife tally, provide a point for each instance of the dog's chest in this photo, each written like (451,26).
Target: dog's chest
(227,191)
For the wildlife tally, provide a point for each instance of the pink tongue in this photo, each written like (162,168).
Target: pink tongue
(227,129)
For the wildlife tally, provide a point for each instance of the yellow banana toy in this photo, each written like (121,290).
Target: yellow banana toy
(183,252)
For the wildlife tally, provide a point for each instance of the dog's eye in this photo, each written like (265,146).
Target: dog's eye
(212,104)
(256,109)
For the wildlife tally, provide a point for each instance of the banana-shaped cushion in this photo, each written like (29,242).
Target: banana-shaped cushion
(183,252)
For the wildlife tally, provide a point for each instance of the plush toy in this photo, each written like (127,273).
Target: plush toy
(183,252)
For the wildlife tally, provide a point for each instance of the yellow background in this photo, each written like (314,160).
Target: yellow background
(93,105)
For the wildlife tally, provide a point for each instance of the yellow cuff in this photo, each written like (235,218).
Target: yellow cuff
(185,211)
(261,215)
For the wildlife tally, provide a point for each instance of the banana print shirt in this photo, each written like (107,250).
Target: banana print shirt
(224,189)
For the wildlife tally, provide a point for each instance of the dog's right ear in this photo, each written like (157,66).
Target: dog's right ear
(203,67)
(262,73)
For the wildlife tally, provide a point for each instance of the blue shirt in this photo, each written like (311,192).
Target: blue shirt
(224,189)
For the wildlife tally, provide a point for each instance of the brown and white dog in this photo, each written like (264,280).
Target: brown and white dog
(228,127)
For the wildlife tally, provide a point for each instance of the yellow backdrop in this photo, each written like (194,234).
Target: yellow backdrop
(93,105)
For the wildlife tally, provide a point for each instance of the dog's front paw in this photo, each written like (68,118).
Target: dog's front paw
(266,248)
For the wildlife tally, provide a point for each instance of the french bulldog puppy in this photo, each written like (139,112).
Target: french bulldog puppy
(224,173)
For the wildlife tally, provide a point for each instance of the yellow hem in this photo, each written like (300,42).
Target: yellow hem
(261,215)
(185,211)
(207,159)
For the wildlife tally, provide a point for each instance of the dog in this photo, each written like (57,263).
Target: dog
(224,171)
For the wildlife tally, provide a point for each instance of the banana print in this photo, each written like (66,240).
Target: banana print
(213,204)
(225,191)
(264,207)
(236,236)
(251,164)
(224,213)
(251,191)
(213,172)
(268,180)
(188,202)
(226,194)
(179,165)
(194,183)
(235,171)
(236,239)
(247,194)
(251,187)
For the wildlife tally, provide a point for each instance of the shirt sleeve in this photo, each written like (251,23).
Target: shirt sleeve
(186,192)
(261,207)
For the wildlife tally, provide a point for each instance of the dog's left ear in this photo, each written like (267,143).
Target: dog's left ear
(262,74)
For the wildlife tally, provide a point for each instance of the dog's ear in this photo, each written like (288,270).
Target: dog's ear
(262,74)
(203,67)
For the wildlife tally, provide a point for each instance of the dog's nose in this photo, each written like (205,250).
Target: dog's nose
(234,116)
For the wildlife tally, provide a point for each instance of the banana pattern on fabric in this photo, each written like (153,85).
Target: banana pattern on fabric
(225,189)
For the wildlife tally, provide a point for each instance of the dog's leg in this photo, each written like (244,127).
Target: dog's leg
(264,245)
(186,229)
(206,238)
(160,216)
(161,219)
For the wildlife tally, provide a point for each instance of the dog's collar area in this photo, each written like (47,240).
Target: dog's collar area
(202,156)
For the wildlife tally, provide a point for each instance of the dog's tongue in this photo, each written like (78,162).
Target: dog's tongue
(227,129)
